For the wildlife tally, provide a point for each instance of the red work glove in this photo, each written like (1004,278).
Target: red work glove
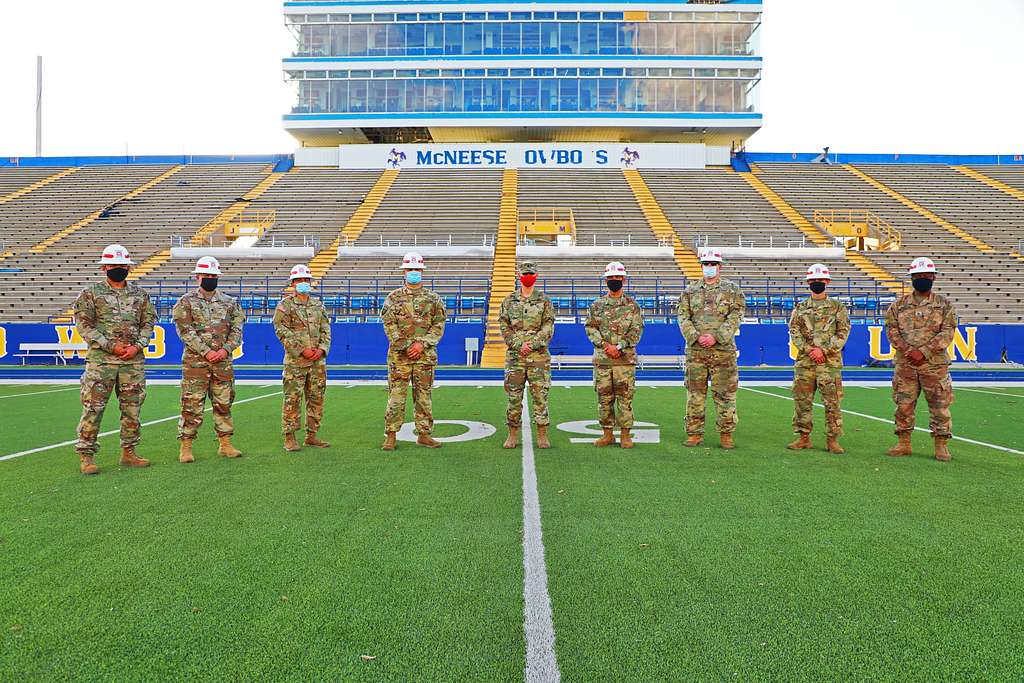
(612,351)
(915,356)
(130,352)
(524,349)
(212,356)
(415,351)
(706,340)
(817,355)
(309,354)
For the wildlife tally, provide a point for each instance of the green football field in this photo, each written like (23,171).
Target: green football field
(663,563)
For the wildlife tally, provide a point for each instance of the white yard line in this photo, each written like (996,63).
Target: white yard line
(882,419)
(994,393)
(34,393)
(541,665)
(62,444)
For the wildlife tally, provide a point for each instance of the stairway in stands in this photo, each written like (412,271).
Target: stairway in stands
(660,225)
(38,184)
(323,261)
(95,215)
(503,270)
(217,223)
(854,258)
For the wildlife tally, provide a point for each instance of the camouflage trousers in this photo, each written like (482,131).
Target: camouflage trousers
(516,377)
(309,381)
(400,376)
(128,382)
(908,381)
(717,369)
(829,381)
(203,380)
(615,386)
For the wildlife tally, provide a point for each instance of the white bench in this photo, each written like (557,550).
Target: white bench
(55,351)
(559,362)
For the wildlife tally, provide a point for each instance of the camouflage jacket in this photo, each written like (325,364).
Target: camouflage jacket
(207,322)
(712,309)
(616,321)
(824,324)
(302,325)
(106,315)
(413,315)
(527,319)
(925,323)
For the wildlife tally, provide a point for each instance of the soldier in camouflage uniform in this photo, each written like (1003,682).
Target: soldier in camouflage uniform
(209,325)
(818,329)
(920,327)
(414,320)
(302,325)
(527,321)
(710,313)
(115,318)
(614,327)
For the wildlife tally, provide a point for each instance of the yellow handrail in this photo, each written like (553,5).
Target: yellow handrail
(843,223)
(251,223)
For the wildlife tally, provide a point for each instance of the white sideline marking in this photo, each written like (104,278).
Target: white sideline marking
(12,456)
(882,419)
(541,665)
(994,393)
(33,393)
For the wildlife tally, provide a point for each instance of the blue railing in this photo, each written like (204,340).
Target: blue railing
(359,299)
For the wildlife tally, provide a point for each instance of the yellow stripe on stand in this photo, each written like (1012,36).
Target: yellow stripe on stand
(503,268)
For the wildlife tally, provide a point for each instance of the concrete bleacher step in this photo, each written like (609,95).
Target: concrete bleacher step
(917,208)
(38,184)
(357,222)
(95,215)
(503,269)
(660,225)
(991,182)
(235,209)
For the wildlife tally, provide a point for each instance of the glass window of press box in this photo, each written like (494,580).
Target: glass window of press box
(526,33)
(565,90)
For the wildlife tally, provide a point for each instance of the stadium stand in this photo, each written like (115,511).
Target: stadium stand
(980,284)
(970,226)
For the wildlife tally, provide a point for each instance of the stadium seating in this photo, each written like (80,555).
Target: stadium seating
(934,207)
(983,286)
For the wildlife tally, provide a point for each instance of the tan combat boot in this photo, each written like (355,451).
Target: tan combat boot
(513,438)
(542,437)
(226,449)
(832,445)
(625,440)
(607,440)
(693,440)
(185,451)
(87,464)
(902,447)
(428,441)
(290,444)
(312,440)
(129,459)
(942,453)
(389,442)
(725,442)
(802,441)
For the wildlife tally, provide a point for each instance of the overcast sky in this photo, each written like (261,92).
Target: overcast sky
(205,77)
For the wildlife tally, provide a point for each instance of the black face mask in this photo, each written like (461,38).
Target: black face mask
(208,283)
(117,274)
(818,287)
(923,284)
(614,285)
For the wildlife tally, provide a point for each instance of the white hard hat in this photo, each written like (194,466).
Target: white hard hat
(709,255)
(207,265)
(922,265)
(116,255)
(818,271)
(615,269)
(300,271)
(413,261)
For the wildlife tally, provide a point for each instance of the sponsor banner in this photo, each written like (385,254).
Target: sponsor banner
(366,344)
(523,155)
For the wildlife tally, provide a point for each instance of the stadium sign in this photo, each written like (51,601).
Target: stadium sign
(526,155)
